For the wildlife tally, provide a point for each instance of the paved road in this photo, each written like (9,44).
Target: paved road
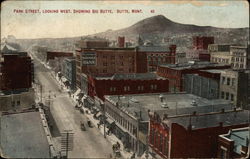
(87,144)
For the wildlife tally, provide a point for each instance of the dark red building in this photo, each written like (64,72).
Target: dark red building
(16,72)
(201,43)
(174,73)
(157,55)
(52,54)
(108,61)
(192,136)
(121,41)
(122,84)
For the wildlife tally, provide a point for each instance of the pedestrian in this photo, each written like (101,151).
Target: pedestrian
(110,156)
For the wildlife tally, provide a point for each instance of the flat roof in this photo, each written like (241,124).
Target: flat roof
(185,103)
(131,76)
(239,136)
(192,65)
(211,119)
(23,136)
(213,71)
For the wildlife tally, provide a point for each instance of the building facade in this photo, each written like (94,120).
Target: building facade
(236,56)
(121,84)
(193,135)
(69,71)
(129,113)
(157,55)
(17,72)
(108,61)
(174,73)
(17,100)
(233,87)
(205,83)
(50,55)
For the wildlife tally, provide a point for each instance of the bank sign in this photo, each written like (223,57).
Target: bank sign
(89,58)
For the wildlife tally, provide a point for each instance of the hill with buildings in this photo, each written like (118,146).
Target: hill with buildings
(157,29)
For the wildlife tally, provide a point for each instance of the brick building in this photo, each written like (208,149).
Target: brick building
(201,43)
(108,61)
(157,55)
(121,84)
(50,55)
(200,48)
(174,73)
(234,144)
(194,135)
(130,113)
(17,72)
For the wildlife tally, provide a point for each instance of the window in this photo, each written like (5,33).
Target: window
(228,81)
(232,97)
(223,80)
(105,64)
(227,96)
(104,71)
(13,103)
(233,81)
(222,95)
(242,59)
(241,65)
(18,103)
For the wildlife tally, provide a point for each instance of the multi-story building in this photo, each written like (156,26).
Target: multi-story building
(69,71)
(199,50)
(205,83)
(157,55)
(234,144)
(193,135)
(130,113)
(17,100)
(51,55)
(17,72)
(108,61)
(201,43)
(180,57)
(121,84)
(174,73)
(236,56)
(233,87)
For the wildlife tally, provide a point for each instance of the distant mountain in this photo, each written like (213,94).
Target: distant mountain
(155,29)
(160,24)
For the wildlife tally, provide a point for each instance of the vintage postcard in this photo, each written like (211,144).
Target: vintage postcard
(125,79)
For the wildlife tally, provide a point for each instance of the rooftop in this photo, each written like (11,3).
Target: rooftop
(213,71)
(193,65)
(240,138)
(132,76)
(210,119)
(153,48)
(185,103)
(23,136)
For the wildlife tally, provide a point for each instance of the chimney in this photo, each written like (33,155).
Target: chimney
(172,49)
(221,124)
(121,41)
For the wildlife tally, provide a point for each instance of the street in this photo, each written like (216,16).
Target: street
(87,144)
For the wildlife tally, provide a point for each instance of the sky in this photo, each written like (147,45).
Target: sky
(226,14)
